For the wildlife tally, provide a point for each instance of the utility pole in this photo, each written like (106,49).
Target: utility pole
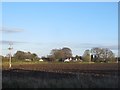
(90,58)
(10,54)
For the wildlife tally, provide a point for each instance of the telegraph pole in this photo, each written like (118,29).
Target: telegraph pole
(10,54)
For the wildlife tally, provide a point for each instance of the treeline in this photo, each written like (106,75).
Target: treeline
(93,55)
(59,55)
(21,55)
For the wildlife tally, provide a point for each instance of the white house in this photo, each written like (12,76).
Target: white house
(28,60)
(70,59)
(41,60)
(66,60)
(76,59)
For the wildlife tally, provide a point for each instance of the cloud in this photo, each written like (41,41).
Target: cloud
(10,30)
(78,45)
(112,47)
(90,45)
(12,42)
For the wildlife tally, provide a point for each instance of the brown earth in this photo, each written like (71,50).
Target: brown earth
(110,68)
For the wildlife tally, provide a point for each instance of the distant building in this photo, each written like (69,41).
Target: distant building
(28,60)
(67,60)
(76,59)
(70,59)
(41,60)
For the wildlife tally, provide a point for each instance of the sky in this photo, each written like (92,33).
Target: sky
(39,27)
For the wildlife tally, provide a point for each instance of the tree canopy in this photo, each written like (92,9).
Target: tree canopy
(103,54)
(59,54)
(20,55)
(86,56)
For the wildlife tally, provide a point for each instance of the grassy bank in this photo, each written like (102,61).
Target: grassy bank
(51,80)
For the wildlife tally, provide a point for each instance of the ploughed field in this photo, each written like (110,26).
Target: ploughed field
(68,68)
(61,75)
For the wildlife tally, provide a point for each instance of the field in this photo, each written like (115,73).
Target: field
(60,75)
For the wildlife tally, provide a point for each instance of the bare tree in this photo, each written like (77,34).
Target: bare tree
(103,54)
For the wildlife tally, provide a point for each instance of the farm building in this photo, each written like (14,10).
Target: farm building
(28,60)
(67,60)
(41,60)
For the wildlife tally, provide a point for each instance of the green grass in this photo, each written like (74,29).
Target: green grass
(15,62)
(5,63)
